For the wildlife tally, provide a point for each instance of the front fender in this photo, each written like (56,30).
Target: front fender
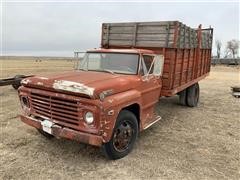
(112,105)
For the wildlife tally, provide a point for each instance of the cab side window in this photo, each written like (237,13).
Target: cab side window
(148,62)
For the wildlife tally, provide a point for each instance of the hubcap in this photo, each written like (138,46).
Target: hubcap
(122,136)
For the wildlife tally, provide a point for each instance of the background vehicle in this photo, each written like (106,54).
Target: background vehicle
(14,81)
(111,96)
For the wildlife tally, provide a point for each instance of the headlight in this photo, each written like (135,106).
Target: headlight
(89,117)
(25,101)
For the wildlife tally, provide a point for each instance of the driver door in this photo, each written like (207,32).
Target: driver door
(151,84)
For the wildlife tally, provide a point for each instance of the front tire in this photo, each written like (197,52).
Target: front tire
(124,136)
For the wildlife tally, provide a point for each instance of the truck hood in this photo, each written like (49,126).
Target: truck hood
(90,83)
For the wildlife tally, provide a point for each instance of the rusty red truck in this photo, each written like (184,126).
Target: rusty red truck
(111,96)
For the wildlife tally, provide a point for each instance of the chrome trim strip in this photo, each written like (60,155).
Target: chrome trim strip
(158,119)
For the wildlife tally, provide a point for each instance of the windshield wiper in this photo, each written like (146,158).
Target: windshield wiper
(82,69)
(105,70)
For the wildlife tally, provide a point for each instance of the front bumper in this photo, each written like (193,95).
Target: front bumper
(63,132)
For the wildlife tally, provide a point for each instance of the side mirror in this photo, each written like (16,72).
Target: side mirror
(158,65)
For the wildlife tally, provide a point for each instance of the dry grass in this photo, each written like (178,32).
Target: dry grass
(28,67)
(189,143)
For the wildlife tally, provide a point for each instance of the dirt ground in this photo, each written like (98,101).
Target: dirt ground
(188,143)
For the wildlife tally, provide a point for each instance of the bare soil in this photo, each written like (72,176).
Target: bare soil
(188,143)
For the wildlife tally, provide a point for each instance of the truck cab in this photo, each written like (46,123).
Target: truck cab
(106,101)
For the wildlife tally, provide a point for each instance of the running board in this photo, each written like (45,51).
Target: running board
(158,118)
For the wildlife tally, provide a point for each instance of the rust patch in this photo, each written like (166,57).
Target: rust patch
(25,81)
(40,83)
(73,87)
(43,78)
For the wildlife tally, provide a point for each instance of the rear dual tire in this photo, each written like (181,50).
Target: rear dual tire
(190,96)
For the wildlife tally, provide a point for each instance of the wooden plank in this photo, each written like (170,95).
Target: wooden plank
(155,38)
(189,38)
(120,24)
(152,43)
(141,37)
(152,36)
(188,62)
(201,61)
(194,60)
(107,35)
(135,34)
(204,61)
(122,30)
(182,64)
(119,43)
(179,35)
(154,23)
(156,29)
(168,35)
(174,69)
(157,23)
(119,37)
(184,38)
(171,31)
(176,34)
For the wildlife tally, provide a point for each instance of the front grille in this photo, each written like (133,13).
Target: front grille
(62,111)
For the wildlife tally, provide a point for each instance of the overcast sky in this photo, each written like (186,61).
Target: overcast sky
(58,29)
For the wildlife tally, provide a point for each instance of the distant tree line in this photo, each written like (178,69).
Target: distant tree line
(231,49)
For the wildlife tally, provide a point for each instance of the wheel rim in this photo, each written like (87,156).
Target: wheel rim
(122,136)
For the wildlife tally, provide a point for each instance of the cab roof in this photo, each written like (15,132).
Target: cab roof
(133,51)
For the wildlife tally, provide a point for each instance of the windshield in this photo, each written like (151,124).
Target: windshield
(110,62)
